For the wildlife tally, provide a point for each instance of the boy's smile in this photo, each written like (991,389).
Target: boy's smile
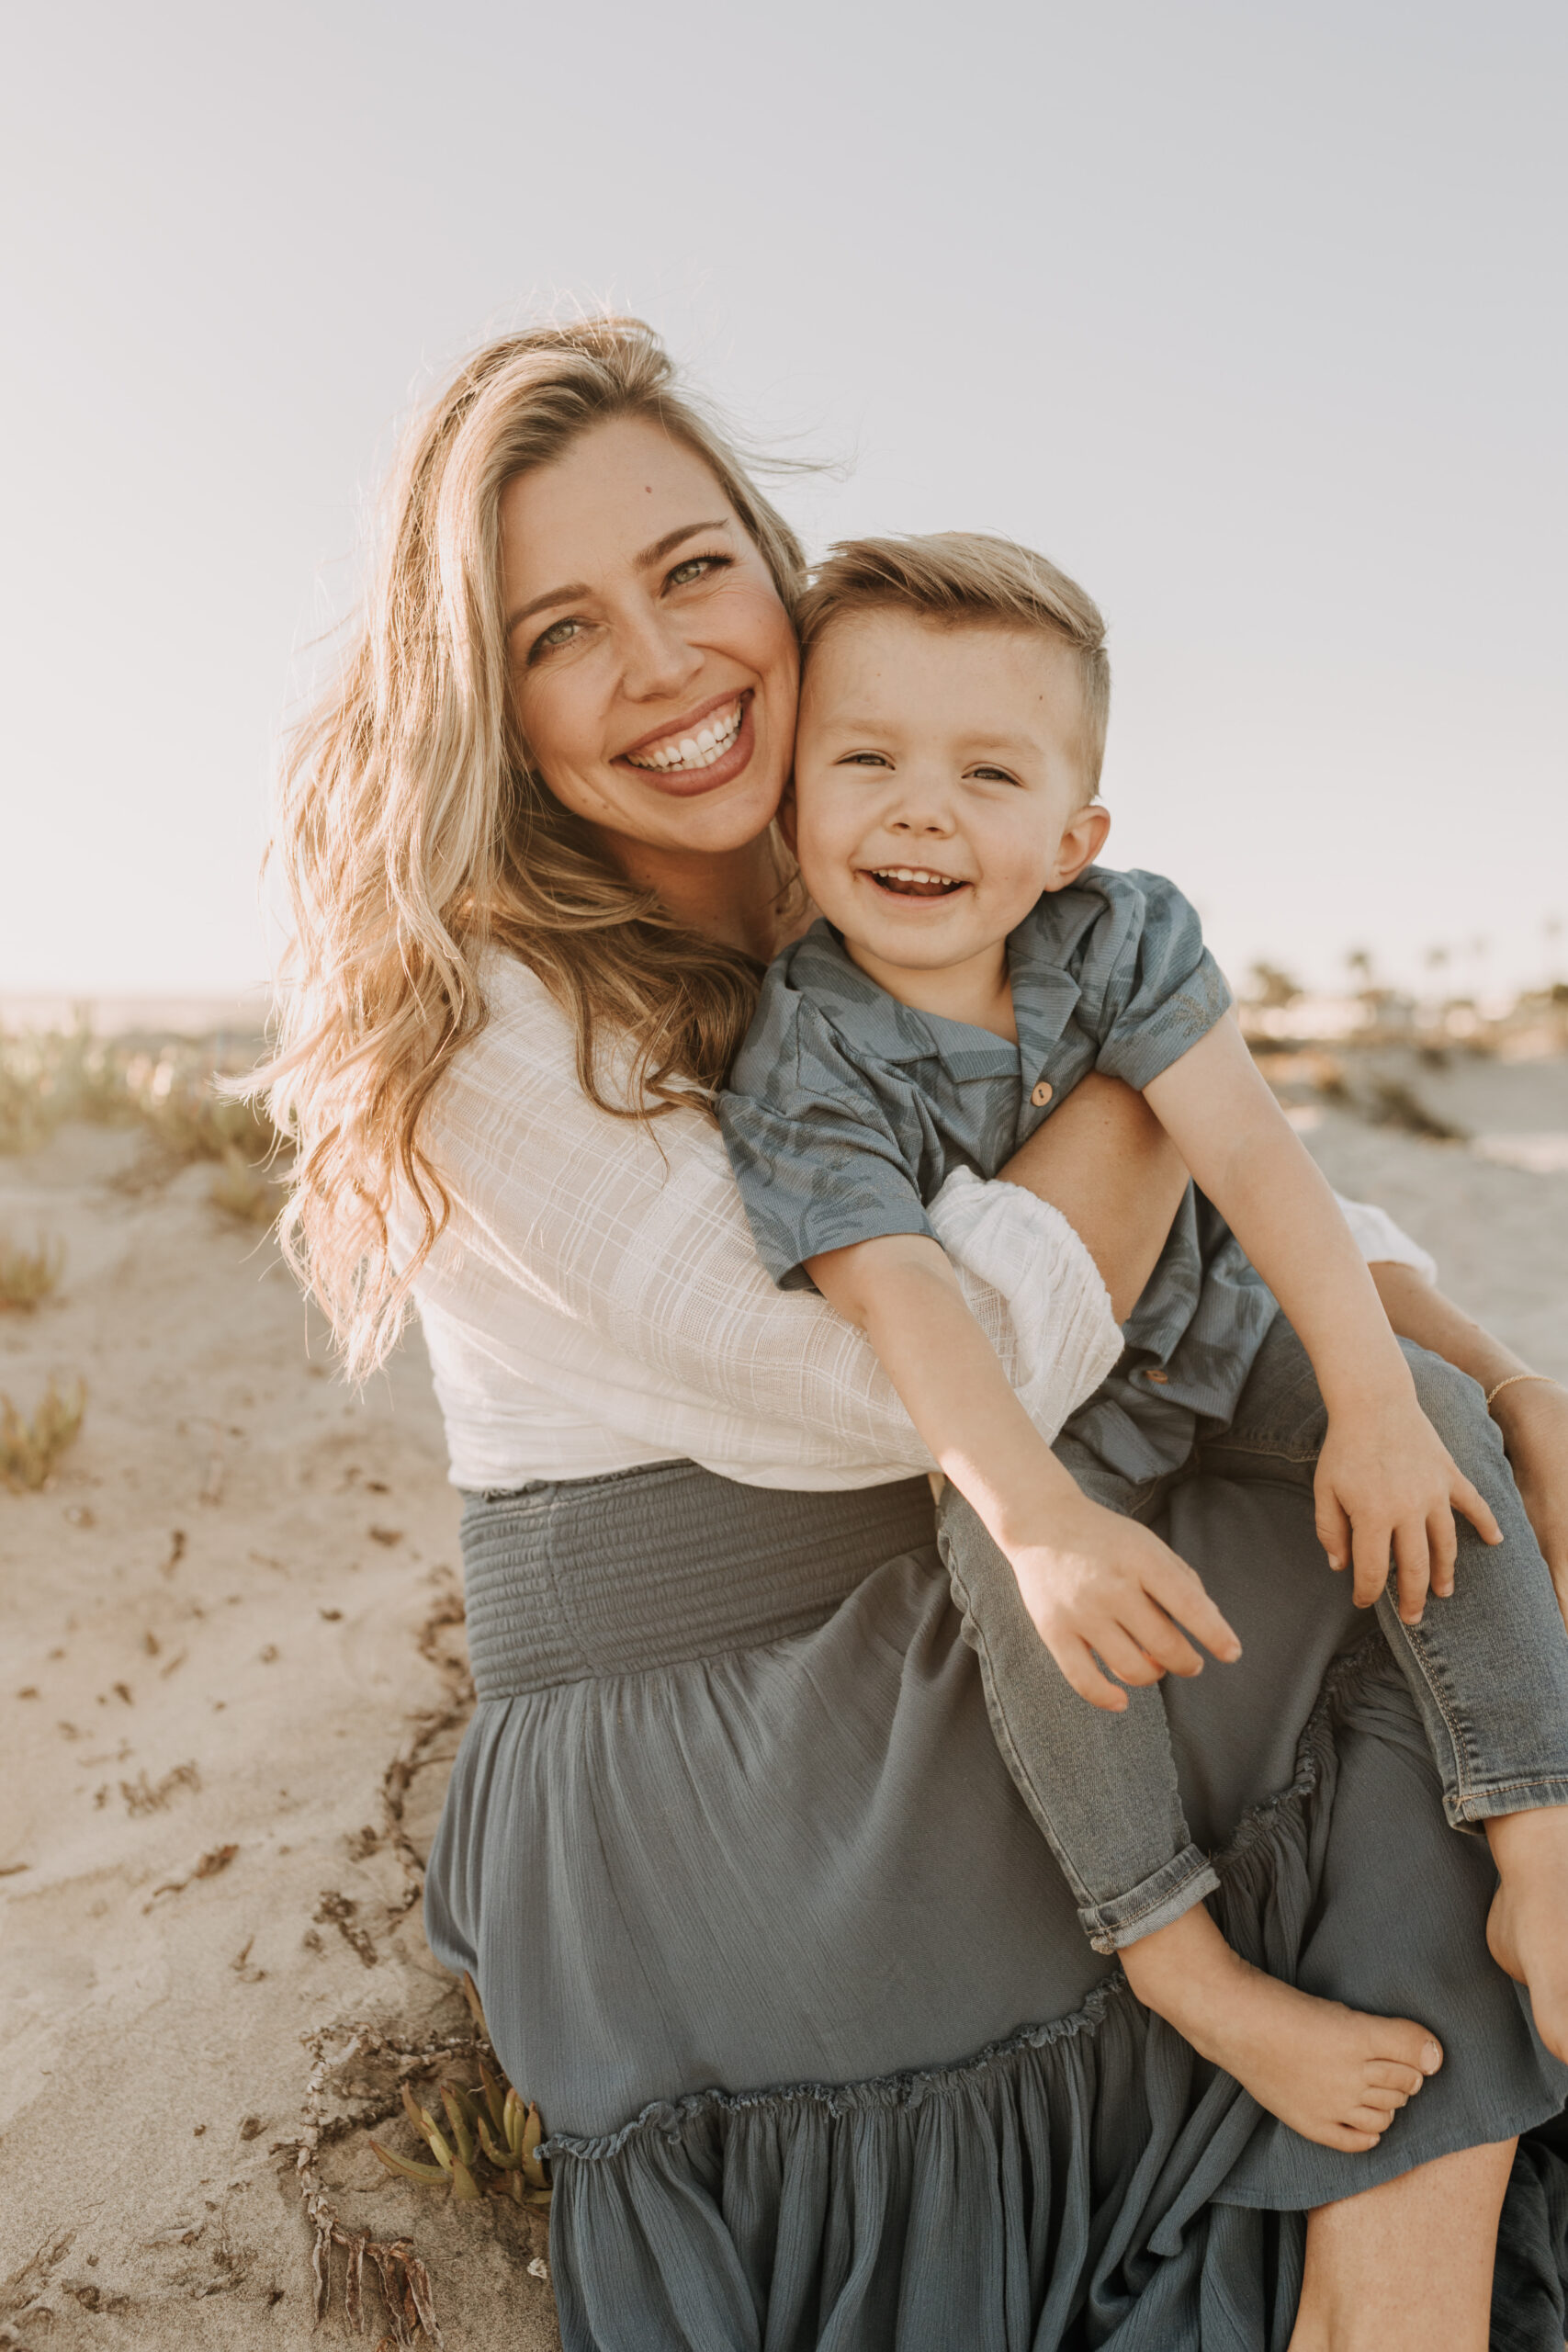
(940,789)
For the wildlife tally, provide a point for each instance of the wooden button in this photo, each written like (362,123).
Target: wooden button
(1041,1094)
(1159,1378)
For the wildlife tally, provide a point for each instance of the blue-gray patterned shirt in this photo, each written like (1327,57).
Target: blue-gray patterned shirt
(847,1112)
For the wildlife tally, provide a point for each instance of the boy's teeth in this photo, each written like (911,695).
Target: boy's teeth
(710,742)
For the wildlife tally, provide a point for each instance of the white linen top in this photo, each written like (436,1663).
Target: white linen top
(596,1303)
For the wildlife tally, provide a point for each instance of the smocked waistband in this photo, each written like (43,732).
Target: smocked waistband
(658,1566)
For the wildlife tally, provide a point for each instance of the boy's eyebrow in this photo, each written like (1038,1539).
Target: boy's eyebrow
(575,588)
(852,723)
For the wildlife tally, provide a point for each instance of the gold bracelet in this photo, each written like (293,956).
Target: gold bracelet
(1513,1376)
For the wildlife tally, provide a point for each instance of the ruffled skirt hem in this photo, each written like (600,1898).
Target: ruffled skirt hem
(1087,2182)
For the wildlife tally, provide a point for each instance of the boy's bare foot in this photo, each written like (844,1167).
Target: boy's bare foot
(1528,1930)
(1335,2075)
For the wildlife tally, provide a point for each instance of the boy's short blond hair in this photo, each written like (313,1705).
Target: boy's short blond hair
(968,578)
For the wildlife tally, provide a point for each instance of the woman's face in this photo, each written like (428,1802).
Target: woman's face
(653,667)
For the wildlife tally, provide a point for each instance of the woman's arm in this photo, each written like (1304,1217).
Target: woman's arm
(1531,1414)
(617,1258)
(1104,1160)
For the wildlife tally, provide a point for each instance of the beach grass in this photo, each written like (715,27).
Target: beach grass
(170,1087)
(28,1275)
(30,1447)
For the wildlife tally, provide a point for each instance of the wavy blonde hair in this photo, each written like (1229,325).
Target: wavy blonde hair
(414,830)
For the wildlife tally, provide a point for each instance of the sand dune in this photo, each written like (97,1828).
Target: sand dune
(233,1682)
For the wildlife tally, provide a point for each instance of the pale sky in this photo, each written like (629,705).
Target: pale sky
(1250,315)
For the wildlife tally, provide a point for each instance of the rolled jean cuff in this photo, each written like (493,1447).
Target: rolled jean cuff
(1163,1897)
(1478,1806)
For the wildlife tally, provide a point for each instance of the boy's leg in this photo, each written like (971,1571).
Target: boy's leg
(1101,1787)
(1104,1790)
(1488,1666)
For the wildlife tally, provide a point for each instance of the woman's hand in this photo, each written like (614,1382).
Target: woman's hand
(1533,1417)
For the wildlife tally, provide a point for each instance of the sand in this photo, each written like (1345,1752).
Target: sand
(234,1680)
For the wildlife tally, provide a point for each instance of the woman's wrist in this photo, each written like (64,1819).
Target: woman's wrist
(1418,1311)
(1520,1401)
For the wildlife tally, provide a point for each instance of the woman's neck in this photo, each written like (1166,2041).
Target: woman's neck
(731,896)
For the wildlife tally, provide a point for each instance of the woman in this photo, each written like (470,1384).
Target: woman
(753,1907)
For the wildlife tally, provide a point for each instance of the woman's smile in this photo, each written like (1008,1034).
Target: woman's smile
(708,748)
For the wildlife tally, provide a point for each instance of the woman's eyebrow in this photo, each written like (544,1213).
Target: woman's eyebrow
(575,588)
(673,538)
(566,595)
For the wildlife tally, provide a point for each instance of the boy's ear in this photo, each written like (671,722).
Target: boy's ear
(787,818)
(1083,838)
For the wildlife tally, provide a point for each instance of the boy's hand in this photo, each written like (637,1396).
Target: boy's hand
(1104,1583)
(1387,1483)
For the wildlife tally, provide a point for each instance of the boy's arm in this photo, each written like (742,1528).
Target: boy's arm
(1090,1580)
(1384,1478)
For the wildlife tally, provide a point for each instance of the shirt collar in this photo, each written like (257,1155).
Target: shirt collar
(870,1020)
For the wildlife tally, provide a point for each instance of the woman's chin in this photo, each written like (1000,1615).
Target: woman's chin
(724,821)
(710,823)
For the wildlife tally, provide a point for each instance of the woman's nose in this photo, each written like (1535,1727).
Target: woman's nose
(658,661)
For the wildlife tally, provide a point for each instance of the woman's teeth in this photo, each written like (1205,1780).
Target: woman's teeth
(709,742)
(915,881)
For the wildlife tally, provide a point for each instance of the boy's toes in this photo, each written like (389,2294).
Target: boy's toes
(1388,2074)
(1412,2046)
(1353,2139)
(1383,2103)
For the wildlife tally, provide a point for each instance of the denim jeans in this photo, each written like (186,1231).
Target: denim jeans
(1488,1666)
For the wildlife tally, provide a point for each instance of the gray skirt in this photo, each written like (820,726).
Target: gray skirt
(826,2060)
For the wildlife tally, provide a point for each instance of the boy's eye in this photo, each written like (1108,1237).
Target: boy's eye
(992,776)
(865,760)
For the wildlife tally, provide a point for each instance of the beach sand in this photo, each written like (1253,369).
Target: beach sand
(233,1681)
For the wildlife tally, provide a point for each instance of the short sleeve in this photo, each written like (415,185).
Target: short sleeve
(817,1158)
(1151,985)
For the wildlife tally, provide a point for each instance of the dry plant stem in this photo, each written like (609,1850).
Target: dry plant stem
(423,1734)
(405,2282)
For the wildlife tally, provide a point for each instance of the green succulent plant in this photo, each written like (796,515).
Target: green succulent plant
(489,2146)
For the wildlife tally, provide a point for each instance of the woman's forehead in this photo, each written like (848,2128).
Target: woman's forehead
(611,496)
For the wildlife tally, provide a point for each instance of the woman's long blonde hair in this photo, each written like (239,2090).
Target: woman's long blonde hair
(414,830)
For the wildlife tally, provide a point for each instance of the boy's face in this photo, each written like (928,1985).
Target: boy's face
(939,785)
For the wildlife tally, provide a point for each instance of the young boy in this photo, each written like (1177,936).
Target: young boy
(972,965)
